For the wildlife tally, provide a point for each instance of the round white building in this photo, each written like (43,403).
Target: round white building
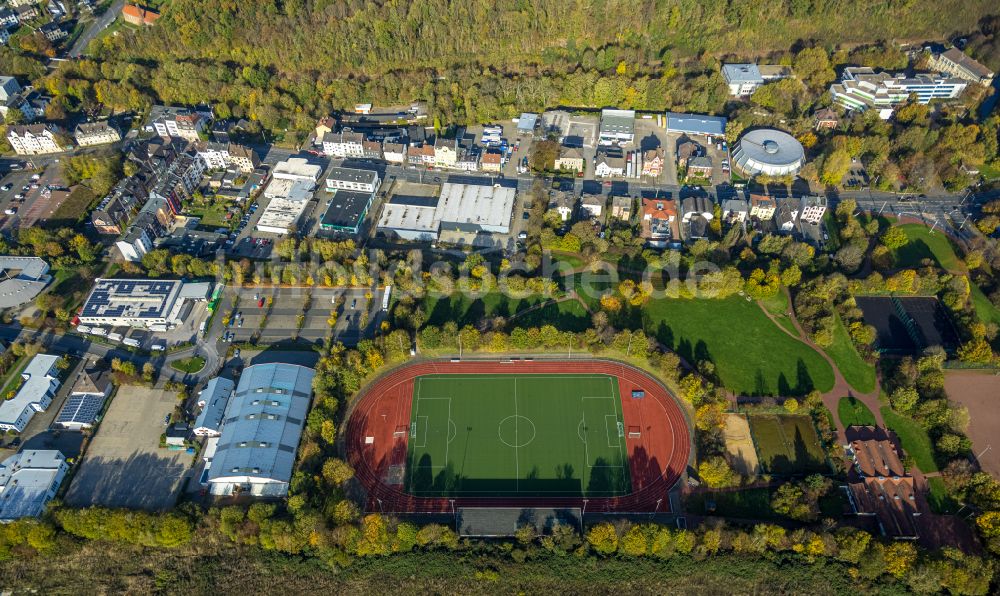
(768,151)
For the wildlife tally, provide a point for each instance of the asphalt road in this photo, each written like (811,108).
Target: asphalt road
(95,27)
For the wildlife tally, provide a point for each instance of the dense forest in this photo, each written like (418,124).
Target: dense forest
(282,63)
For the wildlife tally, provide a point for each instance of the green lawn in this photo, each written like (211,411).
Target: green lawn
(752,503)
(751,354)
(925,245)
(984,308)
(13,380)
(854,413)
(939,499)
(915,441)
(858,373)
(466,310)
(568,315)
(777,307)
(517,435)
(787,444)
(189,365)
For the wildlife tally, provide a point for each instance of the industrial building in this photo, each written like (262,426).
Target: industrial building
(861,88)
(261,430)
(346,211)
(40,381)
(460,207)
(28,481)
(289,192)
(696,124)
(21,279)
(153,303)
(768,151)
(617,127)
(213,400)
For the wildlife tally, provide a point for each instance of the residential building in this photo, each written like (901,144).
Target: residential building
(621,208)
(157,304)
(617,127)
(564,203)
(213,155)
(652,162)
(8,18)
(138,15)
(861,88)
(28,481)
(609,165)
(492,160)
(394,153)
(21,280)
(323,127)
(102,132)
(959,64)
(744,79)
(570,159)
(735,211)
(592,205)
(138,238)
(346,143)
(445,152)
(40,381)
(659,222)
(213,400)
(243,158)
(812,209)
(700,166)
(696,213)
(371,149)
(52,32)
(686,149)
(9,87)
(878,485)
(421,154)
(825,118)
(86,398)
(696,124)
(352,179)
(30,103)
(26,12)
(786,216)
(467,158)
(261,430)
(177,123)
(34,139)
(762,207)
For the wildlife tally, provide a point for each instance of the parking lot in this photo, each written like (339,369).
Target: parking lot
(281,318)
(28,199)
(124,465)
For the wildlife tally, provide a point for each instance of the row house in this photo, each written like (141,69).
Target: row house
(118,208)
(421,155)
(179,123)
(445,153)
(344,144)
(394,152)
(219,156)
(492,160)
(88,134)
(34,139)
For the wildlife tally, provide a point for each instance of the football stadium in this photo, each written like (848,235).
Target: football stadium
(595,434)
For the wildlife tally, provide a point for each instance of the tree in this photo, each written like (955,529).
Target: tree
(976,350)
(894,238)
(337,471)
(835,167)
(899,558)
(715,472)
(904,399)
(603,538)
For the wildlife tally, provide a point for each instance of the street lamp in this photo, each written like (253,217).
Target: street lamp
(380,505)
(585,501)
(981,453)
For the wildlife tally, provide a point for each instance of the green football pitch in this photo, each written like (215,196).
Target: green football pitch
(517,435)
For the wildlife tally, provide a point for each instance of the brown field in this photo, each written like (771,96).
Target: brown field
(979,391)
(739,445)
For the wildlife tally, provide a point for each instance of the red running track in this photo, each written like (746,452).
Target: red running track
(657,458)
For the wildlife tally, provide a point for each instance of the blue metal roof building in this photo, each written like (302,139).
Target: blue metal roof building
(696,124)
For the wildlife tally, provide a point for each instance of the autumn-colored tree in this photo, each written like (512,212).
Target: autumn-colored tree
(603,538)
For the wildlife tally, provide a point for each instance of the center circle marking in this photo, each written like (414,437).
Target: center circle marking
(516,431)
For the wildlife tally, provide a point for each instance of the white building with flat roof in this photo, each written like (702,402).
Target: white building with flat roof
(28,481)
(288,200)
(409,222)
(475,208)
(260,432)
(39,386)
(153,303)
(296,168)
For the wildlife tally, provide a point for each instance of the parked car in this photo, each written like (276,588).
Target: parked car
(6,187)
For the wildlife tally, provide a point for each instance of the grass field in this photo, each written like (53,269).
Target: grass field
(517,435)
(777,306)
(466,310)
(787,444)
(751,503)
(751,354)
(915,441)
(924,245)
(568,315)
(854,413)
(859,374)
(188,365)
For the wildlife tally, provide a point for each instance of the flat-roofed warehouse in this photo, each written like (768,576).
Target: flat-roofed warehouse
(21,279)
(347,211)
(617,127)
(474,208)
(153,303)
(261,431)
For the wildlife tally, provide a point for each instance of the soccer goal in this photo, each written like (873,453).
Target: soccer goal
(634,432)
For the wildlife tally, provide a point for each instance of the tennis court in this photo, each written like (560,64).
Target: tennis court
(517,435)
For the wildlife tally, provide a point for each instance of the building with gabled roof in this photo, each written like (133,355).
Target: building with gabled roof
(213,400)
(957,63)
(261,430)
(40,381)
(139,15)
(878,485)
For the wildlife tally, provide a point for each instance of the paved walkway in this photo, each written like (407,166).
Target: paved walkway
(841,388)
